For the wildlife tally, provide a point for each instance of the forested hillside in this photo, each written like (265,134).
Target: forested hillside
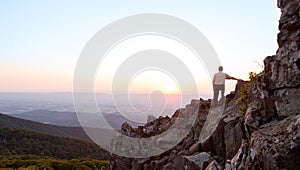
(24,142)
(12,122)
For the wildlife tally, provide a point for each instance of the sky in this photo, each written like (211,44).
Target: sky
(42,40)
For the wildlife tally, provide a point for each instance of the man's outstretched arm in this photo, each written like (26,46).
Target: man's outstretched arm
(230,78)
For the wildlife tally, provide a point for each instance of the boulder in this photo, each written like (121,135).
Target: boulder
(150,118)
(197,161)
(127,129)
(178,163)
(215,143)
(213,166)
(194,148)
(233,135)
(253,116)
(288,102)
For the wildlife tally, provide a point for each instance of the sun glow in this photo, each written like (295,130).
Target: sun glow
(169,89)
(153,80)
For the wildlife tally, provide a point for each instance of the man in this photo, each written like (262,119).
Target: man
(219,84)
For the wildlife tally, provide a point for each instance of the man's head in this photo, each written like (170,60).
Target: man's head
(221,68)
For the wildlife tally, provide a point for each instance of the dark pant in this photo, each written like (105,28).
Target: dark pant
(218,88)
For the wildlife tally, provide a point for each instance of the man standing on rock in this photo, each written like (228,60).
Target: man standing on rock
(219,85)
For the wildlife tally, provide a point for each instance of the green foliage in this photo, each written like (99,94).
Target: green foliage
(252,76)
(242,102)
(22,149)
(53,164)
(24,142)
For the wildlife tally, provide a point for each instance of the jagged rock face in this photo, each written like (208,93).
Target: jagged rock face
(267,137)
(275,92)
(221,145)
(282,71)
(216,143)
(275,96)
(277,146)
(174,158)
(189,153)
(233,135)
(239,160)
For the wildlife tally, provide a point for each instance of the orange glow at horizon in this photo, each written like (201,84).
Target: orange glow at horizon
(30,79)
(150,81)
(169,89)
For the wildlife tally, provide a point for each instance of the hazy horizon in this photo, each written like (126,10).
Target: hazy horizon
(41,42)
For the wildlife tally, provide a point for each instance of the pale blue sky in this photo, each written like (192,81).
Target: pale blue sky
(42,40)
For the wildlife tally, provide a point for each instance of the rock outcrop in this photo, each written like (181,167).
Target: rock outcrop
(265,136)
(176,157)
(281,75)
(190,153)
(276,145)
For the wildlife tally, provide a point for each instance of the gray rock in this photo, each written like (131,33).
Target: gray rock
(178,163)
(213,166)
(233,136)
(288,102)
(198,161)
(168,166)
(276,155)
(194,148)
(239,160)
(150,118)
(253,116)
(273,138)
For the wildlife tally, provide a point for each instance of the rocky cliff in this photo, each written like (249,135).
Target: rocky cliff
(265,135)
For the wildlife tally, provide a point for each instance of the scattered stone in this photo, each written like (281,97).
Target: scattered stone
(194,148)
(150,118)
(275,155)
(213,166)
(239,160)
(198,161)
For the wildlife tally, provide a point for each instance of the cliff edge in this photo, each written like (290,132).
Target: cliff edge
(260,124)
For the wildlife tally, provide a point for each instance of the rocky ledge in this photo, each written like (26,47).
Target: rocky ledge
(233,145)
(263,135)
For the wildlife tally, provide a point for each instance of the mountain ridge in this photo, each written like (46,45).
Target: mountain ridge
(12,122)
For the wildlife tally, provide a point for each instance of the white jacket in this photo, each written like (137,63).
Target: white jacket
(219,78)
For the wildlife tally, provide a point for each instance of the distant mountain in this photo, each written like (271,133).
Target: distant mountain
(115,120)
(50,117)
(61,97)
(12,122)
(25,142)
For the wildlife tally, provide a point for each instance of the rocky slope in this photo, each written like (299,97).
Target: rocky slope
(265,136)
